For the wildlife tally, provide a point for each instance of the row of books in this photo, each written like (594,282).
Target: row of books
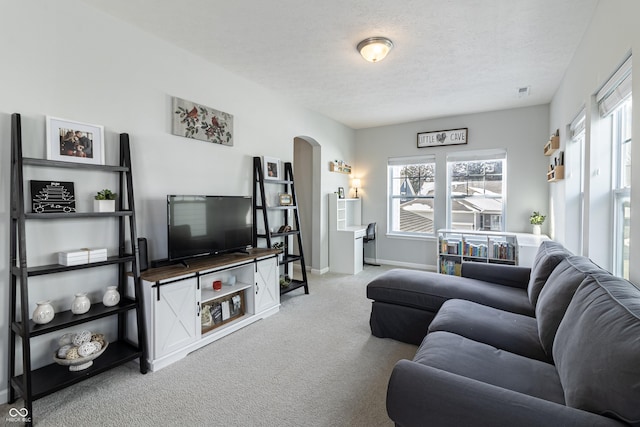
(451,268)
(497,250)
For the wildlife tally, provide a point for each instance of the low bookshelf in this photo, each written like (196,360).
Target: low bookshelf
(456,247)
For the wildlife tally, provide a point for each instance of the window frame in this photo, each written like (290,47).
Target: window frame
(393,220)
(578,133)
(621,192)
(478,156)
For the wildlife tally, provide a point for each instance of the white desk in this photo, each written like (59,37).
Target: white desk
(346,235)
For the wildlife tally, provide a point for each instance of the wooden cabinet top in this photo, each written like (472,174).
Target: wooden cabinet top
(204,263)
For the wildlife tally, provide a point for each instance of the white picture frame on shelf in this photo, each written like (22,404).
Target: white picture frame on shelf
(70,141)
(271,167)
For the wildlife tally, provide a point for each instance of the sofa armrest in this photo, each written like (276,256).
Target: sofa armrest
(420,395)
(507,275)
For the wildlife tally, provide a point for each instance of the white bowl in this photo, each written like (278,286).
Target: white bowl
(80,363)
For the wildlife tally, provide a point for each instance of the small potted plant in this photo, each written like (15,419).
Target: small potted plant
(536,219)
(282,247)
(105,201)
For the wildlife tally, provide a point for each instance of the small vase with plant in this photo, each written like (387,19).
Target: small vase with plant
(536,219)
(105,201)
(282,247)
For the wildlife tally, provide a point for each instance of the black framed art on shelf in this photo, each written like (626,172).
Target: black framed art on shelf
(52,196)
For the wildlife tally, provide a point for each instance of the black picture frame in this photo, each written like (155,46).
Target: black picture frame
(341,192)
(52,197)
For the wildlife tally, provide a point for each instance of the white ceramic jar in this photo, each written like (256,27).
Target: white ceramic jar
(81,304)
(111,296)
(43,313)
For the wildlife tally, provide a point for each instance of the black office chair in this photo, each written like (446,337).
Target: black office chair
(370,236)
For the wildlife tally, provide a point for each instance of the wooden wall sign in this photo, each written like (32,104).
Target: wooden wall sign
(442,137)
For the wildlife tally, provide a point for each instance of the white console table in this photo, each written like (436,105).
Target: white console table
(346,234)
(177,296)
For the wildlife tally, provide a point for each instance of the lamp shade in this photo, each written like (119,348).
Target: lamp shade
(355,182)
(375,49)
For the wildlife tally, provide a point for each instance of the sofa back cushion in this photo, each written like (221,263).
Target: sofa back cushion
(556,295)
(547,258)
(597,348)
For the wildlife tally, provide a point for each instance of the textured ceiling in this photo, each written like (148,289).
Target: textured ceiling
(450,56)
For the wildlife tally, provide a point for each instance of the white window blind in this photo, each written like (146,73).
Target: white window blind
(616,90)
(578,124)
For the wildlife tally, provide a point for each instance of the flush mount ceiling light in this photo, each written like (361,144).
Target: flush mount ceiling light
(374,49)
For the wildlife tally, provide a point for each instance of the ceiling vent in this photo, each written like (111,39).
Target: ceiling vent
(523,91)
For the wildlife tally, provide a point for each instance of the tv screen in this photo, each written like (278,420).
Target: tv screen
(207,225)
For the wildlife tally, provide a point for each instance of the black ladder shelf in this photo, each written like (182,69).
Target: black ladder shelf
(260,204)
(33,384)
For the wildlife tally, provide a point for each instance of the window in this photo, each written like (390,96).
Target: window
(614,103)
(477,187)
(577,151)
(411,196)
(621,133)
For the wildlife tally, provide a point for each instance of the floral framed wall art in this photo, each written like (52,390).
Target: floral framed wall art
(70,141)
(197,121)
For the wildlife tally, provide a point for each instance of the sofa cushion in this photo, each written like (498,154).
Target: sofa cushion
(428,291)
(549,255)
(556,295)
(462,356)
(597,348)
(507,331)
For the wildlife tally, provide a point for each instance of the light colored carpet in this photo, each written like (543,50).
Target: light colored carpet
(315,363)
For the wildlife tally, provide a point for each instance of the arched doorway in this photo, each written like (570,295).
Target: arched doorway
(306,171)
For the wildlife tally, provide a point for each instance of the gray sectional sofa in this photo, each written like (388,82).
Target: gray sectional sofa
(557,344)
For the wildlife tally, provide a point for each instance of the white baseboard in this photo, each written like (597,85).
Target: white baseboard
(296,267)
(402,264)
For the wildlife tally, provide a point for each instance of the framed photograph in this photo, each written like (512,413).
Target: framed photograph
(70,141)
(52,196)
(200,122)
(285,199)
(271,167)
(442,137)
(341,192)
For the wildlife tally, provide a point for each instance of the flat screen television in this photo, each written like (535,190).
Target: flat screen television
(208,225)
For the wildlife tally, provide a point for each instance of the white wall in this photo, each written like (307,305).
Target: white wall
(611,36)
(522,132)
(67,60)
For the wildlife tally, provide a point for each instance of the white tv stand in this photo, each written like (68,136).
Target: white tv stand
(175,297)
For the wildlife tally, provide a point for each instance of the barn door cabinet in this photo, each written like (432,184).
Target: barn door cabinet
(183,312)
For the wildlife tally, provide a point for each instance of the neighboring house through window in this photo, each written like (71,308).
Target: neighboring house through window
(477,189)
(411,193)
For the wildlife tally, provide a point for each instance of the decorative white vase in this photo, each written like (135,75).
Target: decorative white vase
(537,229)
(80,304)
(43,313)
(111,296)
(104,205)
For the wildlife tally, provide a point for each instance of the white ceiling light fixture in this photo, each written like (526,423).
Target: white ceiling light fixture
(375,49)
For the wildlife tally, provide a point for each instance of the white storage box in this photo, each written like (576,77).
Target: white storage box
(96,254)
(73,257)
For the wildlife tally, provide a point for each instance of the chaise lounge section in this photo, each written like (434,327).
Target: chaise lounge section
(560,348)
